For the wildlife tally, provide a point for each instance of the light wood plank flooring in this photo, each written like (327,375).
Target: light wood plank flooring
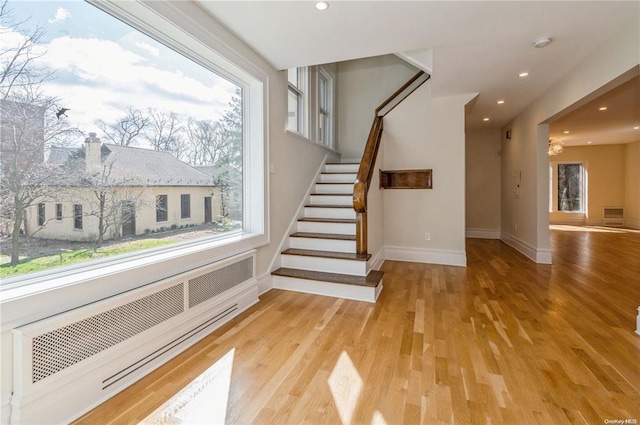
(503,341)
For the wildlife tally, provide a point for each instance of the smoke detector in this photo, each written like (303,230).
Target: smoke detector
(542,42)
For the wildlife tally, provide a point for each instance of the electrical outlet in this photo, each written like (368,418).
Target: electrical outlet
(427,236)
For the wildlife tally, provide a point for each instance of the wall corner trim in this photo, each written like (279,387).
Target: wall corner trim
(540,256)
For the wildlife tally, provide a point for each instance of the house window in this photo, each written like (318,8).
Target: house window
(41,214)
(77,216)
(297,82)
(185,206)
(325,107)
(162,204)
(567,188)
(59,212)
(194,123)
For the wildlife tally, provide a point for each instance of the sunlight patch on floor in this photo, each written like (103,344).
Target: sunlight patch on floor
(595,229)
(345,384)
(202,401)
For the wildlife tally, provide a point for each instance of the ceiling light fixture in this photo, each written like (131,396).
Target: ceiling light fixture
(555,147)
(636,127)
(500,102)
(322,5)
(566,132)
(485,119)
(589,142)
(602,108)
(542,42)
(523,74)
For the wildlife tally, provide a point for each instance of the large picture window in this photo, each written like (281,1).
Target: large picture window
(567,192)
(103,116)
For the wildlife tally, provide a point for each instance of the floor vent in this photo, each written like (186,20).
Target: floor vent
(613,216)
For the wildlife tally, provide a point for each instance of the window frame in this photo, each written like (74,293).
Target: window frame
(326,110)
(182,27)
(553,189)
(300,92)
(162,208)
(185,207)
(77,217)
(42,214)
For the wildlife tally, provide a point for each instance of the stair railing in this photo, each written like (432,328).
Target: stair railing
(365,171)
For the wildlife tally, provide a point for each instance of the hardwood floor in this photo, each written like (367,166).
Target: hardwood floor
(503,341)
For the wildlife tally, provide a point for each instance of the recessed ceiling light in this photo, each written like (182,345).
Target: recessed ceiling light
(542,42)
(636,127)
(566,132)
(485,119)
(322,5)
(589,142)
(602,108)
(523,74)
(500,102)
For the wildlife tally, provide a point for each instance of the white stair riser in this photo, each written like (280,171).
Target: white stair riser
(338,178)
(330,213)
(342,168)
(329,289)
(323,244)
(334,188)
(322,264)
(346,200)
(315,227)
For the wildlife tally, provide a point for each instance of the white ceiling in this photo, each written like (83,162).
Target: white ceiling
(471,46)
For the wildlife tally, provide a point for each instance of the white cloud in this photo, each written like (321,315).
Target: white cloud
(61,15)
(149,48)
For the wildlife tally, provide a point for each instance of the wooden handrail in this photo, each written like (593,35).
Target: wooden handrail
(365,170)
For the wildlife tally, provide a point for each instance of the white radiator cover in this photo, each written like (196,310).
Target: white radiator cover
(67,364)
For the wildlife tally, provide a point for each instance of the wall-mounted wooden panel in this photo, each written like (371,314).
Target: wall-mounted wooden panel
(406,179)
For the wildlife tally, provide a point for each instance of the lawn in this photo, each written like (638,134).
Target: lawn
(65,258)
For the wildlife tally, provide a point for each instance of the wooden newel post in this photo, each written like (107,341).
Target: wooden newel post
(361,233)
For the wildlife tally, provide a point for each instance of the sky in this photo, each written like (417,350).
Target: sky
(102,66)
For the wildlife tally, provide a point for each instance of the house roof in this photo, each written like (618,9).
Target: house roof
(151,167)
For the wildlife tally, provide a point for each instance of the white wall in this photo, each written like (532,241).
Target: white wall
(426,132)
(632,185)
(524,209)
(482,179)
(363,85)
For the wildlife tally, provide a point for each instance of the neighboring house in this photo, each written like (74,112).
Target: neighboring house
(134,190)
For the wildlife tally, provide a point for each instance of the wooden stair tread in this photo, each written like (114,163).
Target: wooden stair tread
(329,206)
(340,172)
(371,280)
(328,220)
(351,183)
(342,163)
(327,254)
(332,194)
(323,236)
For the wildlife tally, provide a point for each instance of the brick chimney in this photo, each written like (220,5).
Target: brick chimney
(92,154)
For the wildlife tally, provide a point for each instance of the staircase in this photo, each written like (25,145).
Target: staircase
(322,256)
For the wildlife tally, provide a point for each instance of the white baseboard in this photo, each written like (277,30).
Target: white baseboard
(483,233)
(540,256)
(265,283)
(422,255)
(5,409)
(375,262)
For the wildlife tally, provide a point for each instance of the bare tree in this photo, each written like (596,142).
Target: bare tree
(165,131)
(115,198)
(28,127)
(207,144)
(123,132)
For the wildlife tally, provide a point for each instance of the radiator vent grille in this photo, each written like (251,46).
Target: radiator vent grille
(207,286)
(63,347)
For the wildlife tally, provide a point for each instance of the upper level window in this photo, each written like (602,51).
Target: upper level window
(325,108)
(297,83)
(103,116)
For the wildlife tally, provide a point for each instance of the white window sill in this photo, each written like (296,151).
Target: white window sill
(35,296)
(305,139)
